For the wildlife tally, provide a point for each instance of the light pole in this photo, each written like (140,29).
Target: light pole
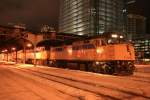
(14,50)
(34,48)
(24,52)
(6,51)
(28,45)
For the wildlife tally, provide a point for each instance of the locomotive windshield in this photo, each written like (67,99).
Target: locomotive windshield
(115,38)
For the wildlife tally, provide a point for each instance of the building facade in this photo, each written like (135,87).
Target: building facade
(136,24)
(91,17)
(142,47)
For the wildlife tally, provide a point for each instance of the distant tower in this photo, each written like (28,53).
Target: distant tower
(91,17)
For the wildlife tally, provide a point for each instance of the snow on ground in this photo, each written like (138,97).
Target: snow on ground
(22,88)
(143,68)
(78,85)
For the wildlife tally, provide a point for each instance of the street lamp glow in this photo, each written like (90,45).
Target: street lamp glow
(5,50)
(29,45)
(121,37)
(13,48)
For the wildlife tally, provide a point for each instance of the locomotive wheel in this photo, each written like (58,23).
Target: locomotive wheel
(98,69)
(109,70)
(90,68)
(130,69)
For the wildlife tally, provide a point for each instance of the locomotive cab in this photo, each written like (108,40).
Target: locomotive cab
(119,55)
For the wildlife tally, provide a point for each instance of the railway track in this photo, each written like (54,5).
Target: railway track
(98,89)
(63,81)
(137,78)
(27,83)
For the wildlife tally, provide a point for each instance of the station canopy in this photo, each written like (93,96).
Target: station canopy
(8,38)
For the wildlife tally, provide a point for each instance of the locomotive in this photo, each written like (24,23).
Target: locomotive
(103,54)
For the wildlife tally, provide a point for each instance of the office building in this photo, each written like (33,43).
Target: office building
(142,47)
(136,24)
(91,17)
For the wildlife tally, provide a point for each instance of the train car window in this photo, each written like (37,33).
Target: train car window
(58,49)
(88,46)
(91,46)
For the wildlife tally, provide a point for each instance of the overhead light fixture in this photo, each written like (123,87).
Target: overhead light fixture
(29,45)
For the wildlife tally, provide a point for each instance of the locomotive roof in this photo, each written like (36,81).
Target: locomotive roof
(67,38)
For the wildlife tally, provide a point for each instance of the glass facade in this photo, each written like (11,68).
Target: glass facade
(136,24)
(91,17)
(142,47)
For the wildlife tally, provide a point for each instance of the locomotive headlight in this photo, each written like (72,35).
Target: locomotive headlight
(99,50)
(110,41)
(70,51)
(97,63)
(114,36)
(5,50)
(39,55)
(29,45)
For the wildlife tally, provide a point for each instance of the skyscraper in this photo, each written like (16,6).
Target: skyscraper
(91,17)
(136,24)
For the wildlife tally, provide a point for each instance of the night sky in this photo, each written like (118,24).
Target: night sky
(34,13)
(142,7)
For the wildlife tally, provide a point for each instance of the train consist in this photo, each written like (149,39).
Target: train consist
(101,55)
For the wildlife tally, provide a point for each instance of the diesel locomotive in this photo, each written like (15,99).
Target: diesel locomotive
(110,56)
